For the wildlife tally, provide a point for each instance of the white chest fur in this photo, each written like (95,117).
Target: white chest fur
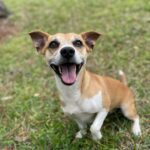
(74,105)
(87,105)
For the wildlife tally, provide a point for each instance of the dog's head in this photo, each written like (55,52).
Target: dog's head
(66,54)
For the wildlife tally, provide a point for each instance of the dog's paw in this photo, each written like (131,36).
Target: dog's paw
(79,135)
(136,128)
(96,136)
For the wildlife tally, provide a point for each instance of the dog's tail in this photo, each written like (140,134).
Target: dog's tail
(122,77)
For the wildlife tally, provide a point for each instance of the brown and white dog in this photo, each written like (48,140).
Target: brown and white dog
(85,96)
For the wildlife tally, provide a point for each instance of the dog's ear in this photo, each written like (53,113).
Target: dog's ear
(90,38)
(39,39)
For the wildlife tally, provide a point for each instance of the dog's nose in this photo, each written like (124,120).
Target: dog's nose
(67,52)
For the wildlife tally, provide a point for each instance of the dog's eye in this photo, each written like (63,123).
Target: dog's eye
(54,44)
(77,43)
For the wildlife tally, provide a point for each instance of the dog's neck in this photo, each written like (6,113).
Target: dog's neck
(72,91)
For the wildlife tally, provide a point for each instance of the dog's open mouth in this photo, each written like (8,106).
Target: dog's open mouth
(67,72)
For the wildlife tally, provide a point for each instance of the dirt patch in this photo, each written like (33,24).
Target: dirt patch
(7,29)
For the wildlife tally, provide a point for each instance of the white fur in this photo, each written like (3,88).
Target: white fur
(88,105)
(136,127)
(79,135)
(121,72)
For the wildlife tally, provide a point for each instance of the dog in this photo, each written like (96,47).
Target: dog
(86,97)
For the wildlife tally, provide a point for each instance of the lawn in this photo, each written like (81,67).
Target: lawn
(30,114)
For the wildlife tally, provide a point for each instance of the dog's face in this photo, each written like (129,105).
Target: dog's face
(66,54)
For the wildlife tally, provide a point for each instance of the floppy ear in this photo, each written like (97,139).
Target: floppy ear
(90,38)
(39,39)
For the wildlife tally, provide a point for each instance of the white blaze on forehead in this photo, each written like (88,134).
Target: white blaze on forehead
(66,38)
(66,45)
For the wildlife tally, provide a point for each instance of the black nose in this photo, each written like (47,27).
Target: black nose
(67,52)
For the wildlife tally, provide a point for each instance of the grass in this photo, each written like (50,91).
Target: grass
(30,115)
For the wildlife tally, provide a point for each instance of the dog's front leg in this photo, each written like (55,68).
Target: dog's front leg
(97,124)
(82,126)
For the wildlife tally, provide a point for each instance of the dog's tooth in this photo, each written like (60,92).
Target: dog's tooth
(60,69)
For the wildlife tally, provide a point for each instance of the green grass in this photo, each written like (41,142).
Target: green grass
(31,118)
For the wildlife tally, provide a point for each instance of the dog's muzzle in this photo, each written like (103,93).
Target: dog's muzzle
(67,68)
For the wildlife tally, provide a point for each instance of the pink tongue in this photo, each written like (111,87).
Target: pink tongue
(68,73)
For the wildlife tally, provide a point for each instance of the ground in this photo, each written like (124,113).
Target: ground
(30,114)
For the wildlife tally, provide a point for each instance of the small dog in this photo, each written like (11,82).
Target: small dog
(85,96)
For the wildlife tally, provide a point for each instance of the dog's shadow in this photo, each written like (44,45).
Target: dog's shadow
(116,121)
